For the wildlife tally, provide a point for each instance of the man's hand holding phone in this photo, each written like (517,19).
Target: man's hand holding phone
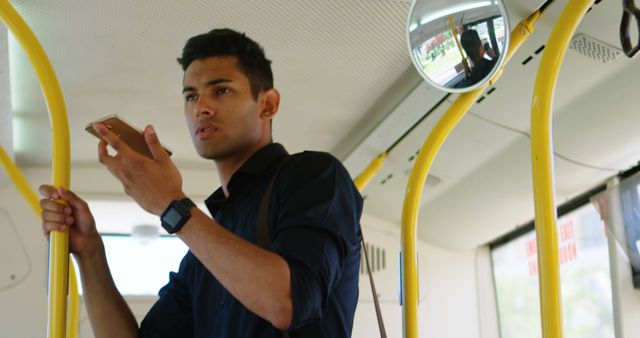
(153,182)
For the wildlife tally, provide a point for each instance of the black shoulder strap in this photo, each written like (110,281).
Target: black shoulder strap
(376,303)
(262,226)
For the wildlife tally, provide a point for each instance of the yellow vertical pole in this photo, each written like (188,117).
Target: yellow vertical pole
(59,242)
(73,316)
(542,162)
(420,171)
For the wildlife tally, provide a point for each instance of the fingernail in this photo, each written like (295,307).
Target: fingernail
(99,128)
(62,228)
(150,129)
(55,196)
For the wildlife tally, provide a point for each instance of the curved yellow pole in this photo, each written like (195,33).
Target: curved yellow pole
(419,174)
(542,162)
(20,182)
(59,245)
(32,200)
(370,172)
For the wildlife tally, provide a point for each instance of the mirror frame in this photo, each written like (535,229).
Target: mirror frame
(487,78)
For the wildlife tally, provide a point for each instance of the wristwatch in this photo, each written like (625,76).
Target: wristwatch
(176,215)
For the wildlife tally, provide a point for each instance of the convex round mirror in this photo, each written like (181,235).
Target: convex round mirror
(457,45)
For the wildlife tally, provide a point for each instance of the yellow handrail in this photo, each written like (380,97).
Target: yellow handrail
(20,182)
(542,162)
(419,175)
(32,200)
(59,245)
(370,172)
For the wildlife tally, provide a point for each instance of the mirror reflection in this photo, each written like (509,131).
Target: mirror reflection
(457,46)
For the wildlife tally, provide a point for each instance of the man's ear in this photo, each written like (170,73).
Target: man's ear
(271,102)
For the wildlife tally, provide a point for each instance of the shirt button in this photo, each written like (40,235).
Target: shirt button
(221,303)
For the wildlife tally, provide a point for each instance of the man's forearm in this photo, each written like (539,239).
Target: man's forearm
(108,312)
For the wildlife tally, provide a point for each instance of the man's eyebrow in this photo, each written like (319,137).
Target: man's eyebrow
(207,84)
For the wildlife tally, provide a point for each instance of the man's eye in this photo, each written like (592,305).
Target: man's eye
(221,91)
(190,98)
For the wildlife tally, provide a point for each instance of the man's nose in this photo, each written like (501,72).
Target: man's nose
(202,108)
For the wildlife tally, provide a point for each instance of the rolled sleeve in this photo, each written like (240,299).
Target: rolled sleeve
(315,260)
(316,227)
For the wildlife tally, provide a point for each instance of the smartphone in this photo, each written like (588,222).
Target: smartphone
(130,135)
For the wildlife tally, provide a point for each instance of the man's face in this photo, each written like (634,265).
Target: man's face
(223,118)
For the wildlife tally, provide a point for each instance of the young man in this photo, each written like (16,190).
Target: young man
(470,41)
(303,284)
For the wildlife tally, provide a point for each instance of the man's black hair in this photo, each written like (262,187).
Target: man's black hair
(226,42)
(470,41)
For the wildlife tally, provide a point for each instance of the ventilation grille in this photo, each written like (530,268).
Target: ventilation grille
(377,259)
(594,49)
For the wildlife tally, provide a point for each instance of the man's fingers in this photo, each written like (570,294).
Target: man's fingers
(103,153)
(47,204)
(154,144)
(111,138)
(47,227)
(48,191)
(55,217)
(71,197)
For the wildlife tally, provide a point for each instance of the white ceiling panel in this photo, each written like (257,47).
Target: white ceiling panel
(331,60)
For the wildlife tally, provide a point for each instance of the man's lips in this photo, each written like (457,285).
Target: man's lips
(205,129)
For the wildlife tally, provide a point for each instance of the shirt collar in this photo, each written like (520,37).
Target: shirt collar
(258,164)
(262,159)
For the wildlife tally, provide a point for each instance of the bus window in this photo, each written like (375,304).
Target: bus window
(584,278)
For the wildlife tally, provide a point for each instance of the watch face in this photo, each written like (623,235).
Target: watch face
(176,215)
(172,218)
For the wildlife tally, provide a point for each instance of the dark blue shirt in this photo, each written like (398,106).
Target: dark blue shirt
(480,70)
(314,218)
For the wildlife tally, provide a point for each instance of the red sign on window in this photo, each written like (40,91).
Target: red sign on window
(568,249)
